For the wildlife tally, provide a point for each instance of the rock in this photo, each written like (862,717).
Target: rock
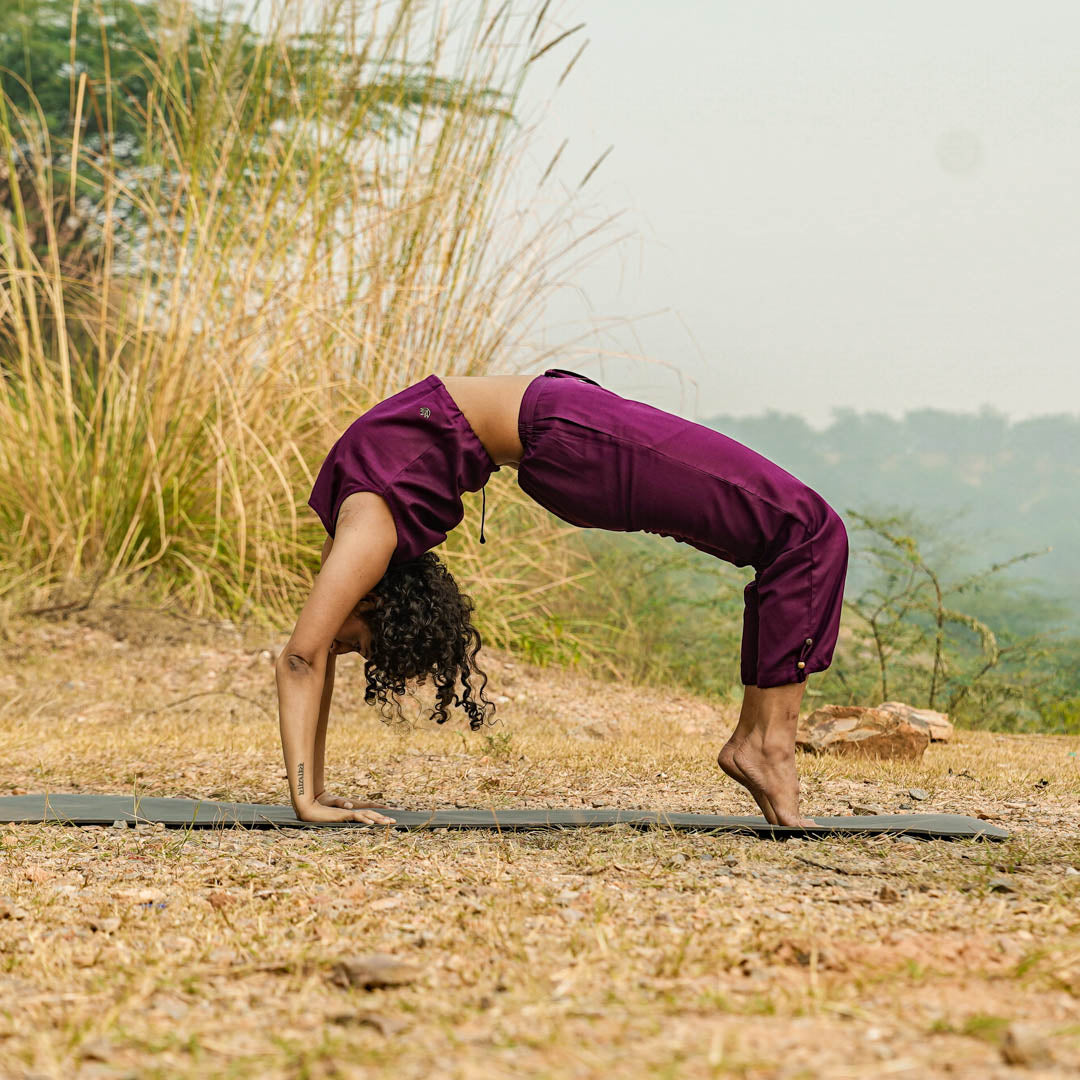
(1022,1045)
(937,724)
(96,1050)
(1071,871)
(887,894)
(384,1025)
(859,730)
(10,910)
(867,809)
(374,971)
(918,793)
(1000,883)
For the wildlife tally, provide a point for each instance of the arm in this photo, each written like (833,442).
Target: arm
(355,565)
(318,779)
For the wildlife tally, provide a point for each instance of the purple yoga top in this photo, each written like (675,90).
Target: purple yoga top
(417,451)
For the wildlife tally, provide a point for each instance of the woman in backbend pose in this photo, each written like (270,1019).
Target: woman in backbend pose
(390,489)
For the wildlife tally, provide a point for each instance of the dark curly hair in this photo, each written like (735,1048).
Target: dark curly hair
(420,627)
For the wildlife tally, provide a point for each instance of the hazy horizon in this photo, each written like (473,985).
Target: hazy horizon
(837,205)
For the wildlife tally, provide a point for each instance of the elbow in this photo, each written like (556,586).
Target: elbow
(293,664)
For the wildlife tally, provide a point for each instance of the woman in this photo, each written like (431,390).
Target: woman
(390,489)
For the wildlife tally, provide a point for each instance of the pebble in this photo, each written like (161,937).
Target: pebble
(1001,884)
(865,808)
(374,971)
(1021,1045)
(731,860)
(1071,871)
(918,793)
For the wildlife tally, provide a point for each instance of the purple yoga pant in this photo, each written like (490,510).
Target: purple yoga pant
(599,460)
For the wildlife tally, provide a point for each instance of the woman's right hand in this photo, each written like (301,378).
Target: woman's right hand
(316,811)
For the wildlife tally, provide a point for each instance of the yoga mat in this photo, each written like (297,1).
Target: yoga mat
(191,813)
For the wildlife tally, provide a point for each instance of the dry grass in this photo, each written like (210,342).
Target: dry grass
(595,953)
(261,279)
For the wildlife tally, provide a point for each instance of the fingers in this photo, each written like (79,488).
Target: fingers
(369,817)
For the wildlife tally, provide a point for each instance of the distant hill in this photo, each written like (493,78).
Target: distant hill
(998,487)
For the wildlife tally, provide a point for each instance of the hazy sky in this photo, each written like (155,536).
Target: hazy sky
(838,203)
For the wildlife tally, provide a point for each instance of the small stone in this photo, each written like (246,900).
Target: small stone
(887,894)
(384,1025)
(731,860)
(96,1050)
(11,910)
(374,971)
(866,809)
(1022,1045)
(678,859)
(1071,871)
(572,914)
(1001,884)
(119,824)
(906,806)
(107,925)
(918,793)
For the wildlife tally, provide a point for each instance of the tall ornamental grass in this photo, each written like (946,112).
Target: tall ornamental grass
(314,216)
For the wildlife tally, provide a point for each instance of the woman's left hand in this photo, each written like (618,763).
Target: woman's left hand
(343,803)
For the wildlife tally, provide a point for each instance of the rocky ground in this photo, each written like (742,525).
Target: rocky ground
(148,952)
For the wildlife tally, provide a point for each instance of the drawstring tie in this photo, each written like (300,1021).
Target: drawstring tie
(483,511)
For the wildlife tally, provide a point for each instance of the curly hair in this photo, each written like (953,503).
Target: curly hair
(421,627)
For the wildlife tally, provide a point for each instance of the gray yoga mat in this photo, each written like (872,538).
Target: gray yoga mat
(191,813)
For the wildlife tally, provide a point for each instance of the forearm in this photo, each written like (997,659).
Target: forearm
(318,778)
(300,691)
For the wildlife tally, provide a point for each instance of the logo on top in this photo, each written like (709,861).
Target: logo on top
(425,412)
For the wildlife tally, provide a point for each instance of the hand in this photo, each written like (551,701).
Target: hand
(365,813)
(351,804)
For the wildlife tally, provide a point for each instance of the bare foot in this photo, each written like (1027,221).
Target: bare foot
(726,760)
(769,776)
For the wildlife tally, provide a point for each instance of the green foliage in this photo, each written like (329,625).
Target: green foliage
(999,486)
(126,48)
(920,628)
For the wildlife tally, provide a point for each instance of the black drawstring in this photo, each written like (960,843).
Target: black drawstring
(482,513)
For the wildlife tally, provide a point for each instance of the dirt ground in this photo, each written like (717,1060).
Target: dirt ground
(596,953)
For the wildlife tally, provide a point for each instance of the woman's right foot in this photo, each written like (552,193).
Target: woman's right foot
(726,760)
(770,777)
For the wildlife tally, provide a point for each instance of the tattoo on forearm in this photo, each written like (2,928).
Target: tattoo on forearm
(300,779)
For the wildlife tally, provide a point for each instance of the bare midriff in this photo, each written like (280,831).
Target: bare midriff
(491,403)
